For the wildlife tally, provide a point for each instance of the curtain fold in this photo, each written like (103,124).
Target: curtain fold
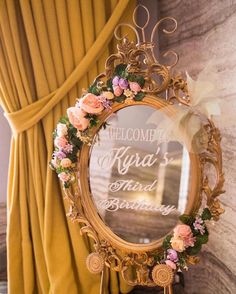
(49,51)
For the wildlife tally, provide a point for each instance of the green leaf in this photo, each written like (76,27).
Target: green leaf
(104,126)
(93,123)
(72,131)
(94,90)
(90,116)
(109,84)
(166,242)
(54,134)
(186,219)
(76,142)
(66,185)
(131,77)
(93,119)
(196,249)
(140,80)
(60,170)
(206,214)
(139,96)
(73,156)
(202,238)
(206,231)
(120,70)
(120,99)
(63,120)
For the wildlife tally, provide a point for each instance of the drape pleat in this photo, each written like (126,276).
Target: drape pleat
(49,51)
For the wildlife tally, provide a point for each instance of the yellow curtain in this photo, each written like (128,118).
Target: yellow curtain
(49,51)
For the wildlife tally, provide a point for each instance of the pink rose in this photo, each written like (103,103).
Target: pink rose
(60,142)
(171,264)
(185,233)
(189,241)
(66,162)
(134,86)
(177,244)
(182,231)
(64,177)
(77,118)
(117,90)
(90,103)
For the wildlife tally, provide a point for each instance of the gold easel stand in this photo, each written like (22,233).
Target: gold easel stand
(103,278)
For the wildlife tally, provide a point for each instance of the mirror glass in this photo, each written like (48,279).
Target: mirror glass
(139,175)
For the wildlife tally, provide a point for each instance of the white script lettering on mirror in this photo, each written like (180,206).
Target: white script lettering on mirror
(124,161)
(114,204)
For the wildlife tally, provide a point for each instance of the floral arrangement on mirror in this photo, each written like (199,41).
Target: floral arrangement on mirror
(180,248)
(74,129)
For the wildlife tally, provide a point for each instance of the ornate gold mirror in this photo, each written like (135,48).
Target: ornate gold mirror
(141,166)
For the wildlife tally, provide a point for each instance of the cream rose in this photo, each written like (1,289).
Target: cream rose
(61,130)
(177,244)
(77,118)
(108,95)
(66,162)
(91,104)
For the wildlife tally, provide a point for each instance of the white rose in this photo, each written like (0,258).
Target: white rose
(61,130)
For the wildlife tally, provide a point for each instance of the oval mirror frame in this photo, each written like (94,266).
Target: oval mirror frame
(142,259)
(90,210)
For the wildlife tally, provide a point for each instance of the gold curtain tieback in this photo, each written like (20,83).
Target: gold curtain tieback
(25,118)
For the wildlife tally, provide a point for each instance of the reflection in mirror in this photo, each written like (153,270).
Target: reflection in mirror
(139,176)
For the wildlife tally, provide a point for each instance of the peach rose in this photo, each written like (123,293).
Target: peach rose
(171,264)
(64,177)
(177,244)
(60,142)
(117,90)
(134,86)
(66,162)
(90,103)
(108,95)
(183,231)
(77,118)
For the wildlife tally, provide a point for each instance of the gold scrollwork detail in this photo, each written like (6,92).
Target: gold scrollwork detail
(212,157)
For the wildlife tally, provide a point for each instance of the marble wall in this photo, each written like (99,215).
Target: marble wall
(207,31)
